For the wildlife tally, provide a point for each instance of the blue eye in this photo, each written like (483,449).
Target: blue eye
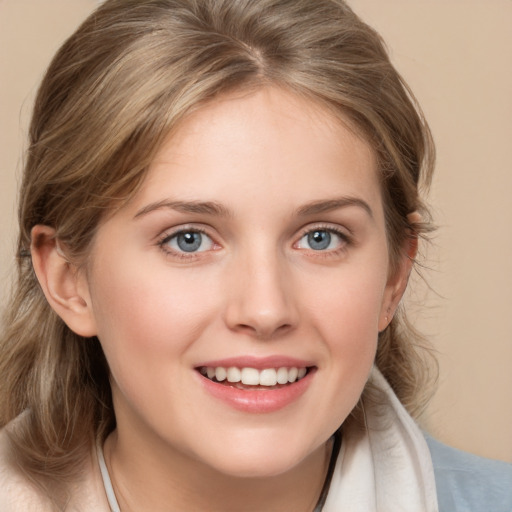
(321,240)
(189,242)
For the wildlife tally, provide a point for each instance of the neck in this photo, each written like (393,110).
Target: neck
(152,478)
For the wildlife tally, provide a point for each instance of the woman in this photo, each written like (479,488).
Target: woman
(218,217)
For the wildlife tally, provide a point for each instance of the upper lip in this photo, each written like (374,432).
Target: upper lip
(259,363)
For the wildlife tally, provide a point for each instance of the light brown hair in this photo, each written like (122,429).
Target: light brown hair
(111,95)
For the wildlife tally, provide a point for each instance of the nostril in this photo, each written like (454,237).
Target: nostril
(263,306)
(263,332)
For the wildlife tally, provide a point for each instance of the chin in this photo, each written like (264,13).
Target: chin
(260,461)
(263,469)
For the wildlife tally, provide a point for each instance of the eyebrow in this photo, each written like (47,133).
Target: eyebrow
(324,206)
(219,210)
(199,207)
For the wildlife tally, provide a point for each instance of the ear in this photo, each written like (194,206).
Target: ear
(397,282)
(64,286)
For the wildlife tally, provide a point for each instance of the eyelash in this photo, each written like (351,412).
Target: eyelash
(346,240)
(166,237)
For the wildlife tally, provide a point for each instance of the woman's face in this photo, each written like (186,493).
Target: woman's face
(255,250)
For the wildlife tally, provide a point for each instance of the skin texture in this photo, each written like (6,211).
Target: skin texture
(255,287)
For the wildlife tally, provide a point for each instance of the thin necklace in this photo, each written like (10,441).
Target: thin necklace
(330,471)
(114,506)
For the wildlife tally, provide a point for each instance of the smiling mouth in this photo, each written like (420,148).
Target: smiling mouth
(251,378)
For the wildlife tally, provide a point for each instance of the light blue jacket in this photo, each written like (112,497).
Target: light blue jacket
(467,483)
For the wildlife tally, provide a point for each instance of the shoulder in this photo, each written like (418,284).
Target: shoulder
(19,494)
(16,492)
(467,483)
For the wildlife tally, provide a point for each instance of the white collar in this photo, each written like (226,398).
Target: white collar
(107,482)
(386,467)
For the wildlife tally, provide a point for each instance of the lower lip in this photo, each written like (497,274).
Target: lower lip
(258,400)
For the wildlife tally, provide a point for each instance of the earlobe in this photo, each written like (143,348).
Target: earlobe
(397,283)
(64,287)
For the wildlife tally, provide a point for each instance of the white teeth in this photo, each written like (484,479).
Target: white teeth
(234,374)
(293,374)
(268,377)
(220,373)
(282,376)
(252,377)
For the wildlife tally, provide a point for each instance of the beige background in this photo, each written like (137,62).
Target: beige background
(456,55)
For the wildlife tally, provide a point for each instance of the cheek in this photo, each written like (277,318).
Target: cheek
(143,316)
(347,316)
(146,326)
(346,323)
(349,303)
(351,329)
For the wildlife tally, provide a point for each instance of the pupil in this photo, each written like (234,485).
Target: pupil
(319,240)
(189,242)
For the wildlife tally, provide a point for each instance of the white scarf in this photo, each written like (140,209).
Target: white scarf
(388,468)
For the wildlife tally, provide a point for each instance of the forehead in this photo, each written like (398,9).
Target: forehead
(266,131)
(269,145)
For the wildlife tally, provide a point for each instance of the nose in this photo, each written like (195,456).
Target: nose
(261,300)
